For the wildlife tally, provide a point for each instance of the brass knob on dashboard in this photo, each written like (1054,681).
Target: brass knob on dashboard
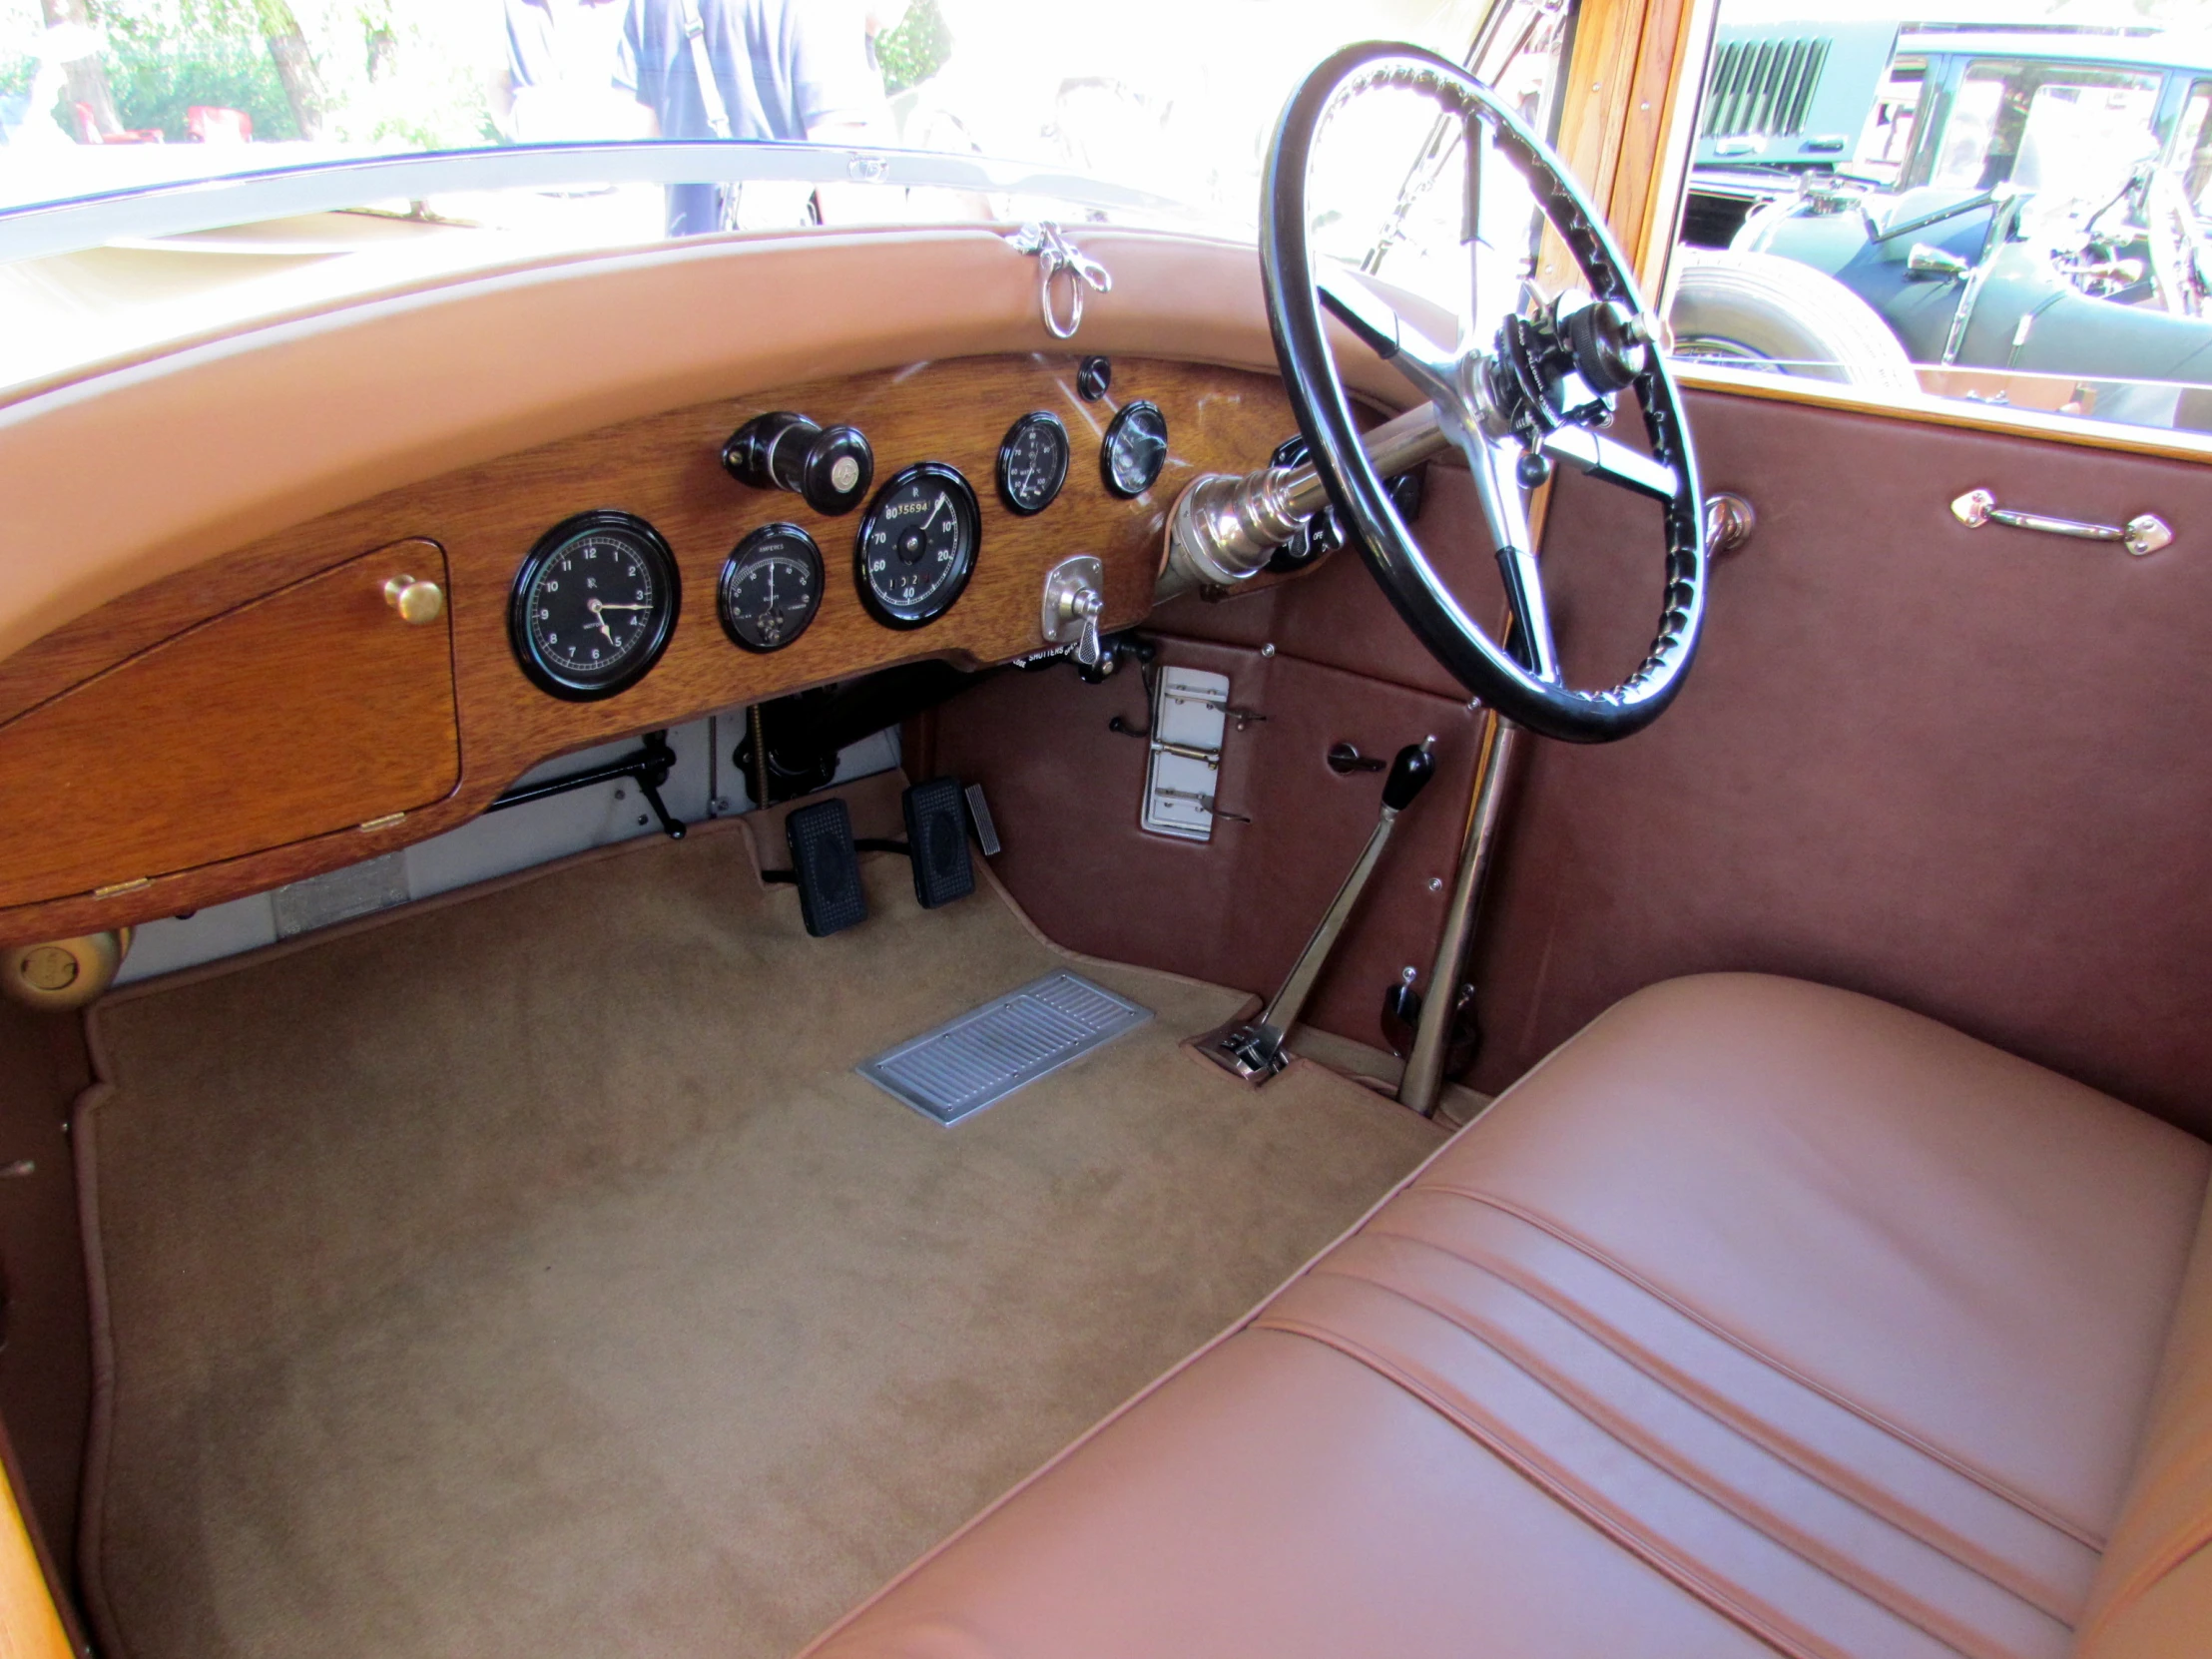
(68,973)
(418,603)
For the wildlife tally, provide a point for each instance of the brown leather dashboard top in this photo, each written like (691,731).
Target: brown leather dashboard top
(266,715)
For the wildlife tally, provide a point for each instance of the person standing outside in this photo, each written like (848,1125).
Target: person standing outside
(562,56)
(789,70)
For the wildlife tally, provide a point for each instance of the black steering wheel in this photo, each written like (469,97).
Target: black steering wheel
(1537,393)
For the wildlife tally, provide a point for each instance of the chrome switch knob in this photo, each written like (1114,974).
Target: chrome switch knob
(1073,603)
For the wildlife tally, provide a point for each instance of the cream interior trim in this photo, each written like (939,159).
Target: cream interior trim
(130,474)
(1945,411)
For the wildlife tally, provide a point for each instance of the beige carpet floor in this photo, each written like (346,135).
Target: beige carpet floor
(532,1275)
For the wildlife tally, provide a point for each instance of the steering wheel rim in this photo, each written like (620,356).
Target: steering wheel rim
(1521,685)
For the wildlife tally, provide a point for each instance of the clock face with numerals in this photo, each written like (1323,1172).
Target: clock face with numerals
(594,605)
(918,545)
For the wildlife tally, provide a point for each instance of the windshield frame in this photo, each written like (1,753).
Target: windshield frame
(213,202)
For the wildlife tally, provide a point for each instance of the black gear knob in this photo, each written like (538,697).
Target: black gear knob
(1409,775)
(831,466)
(1606,342)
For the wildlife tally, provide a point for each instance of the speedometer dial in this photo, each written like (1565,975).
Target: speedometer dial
(771,587)
(917,544)
(593,604)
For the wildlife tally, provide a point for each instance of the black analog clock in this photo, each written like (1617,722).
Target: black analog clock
(916,546)
(593,604)
(1135,449)
(1033,463)
(771,587)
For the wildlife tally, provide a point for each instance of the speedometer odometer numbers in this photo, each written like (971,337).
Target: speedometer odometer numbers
(917,544)
(771,587)
(593,604)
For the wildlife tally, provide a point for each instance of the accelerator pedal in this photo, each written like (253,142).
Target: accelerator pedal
(936,841)
(978,1059)
(826,868)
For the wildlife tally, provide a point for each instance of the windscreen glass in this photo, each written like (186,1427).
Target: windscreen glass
(1146,111)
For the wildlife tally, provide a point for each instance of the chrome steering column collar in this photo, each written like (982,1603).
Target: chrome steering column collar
(1226,528)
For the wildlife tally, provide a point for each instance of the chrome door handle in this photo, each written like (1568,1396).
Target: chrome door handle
(2144,533)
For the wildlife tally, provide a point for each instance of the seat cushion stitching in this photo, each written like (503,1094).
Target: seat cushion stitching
(1682,1572)
(1823,1558)
(1979,1477)
(1841,1481)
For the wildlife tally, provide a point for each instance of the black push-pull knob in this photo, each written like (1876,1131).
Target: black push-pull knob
(1409,775)
(831,466)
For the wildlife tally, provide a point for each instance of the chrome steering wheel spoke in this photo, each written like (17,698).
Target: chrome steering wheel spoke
(1431,368)
(1613,462)
(1504,500)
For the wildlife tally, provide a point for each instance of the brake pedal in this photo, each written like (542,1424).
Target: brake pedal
(936,841)
(826,868)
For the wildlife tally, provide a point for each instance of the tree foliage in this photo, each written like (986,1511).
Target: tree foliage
(915,50)
(414,72)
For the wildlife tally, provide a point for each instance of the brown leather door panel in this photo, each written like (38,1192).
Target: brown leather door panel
(311,710)
(1960,770)
(1066,793)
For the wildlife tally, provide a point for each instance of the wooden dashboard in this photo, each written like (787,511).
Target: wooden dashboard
(268,715)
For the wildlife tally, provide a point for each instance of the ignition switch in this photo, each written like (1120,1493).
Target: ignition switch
(831,466)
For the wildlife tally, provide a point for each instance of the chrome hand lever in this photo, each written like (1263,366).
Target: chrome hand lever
(1253,1049)
(1074,600)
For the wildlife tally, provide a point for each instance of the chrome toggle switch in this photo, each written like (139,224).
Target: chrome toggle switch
(1074,600)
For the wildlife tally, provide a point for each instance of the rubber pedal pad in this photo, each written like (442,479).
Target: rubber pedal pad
(938,841)
(827,868)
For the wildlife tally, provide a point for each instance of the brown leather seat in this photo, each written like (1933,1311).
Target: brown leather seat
(1761,1317)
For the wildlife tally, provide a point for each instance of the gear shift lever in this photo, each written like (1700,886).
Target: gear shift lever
(1252,1049)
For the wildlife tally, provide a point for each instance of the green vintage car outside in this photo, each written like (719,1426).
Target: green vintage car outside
(2023,200)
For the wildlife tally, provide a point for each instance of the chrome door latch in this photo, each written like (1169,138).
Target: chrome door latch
(2143,534)
(1058,256)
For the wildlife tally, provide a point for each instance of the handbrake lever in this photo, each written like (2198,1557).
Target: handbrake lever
(1253,1049)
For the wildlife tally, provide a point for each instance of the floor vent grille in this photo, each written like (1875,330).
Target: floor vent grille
(985,1055)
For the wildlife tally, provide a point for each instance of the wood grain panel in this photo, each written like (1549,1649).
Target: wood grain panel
(313,709)
(663,468)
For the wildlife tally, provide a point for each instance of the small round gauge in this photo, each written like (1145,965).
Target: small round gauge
(1033,463)
(771,587)
(918,545)
(1135,449)
(593,604)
